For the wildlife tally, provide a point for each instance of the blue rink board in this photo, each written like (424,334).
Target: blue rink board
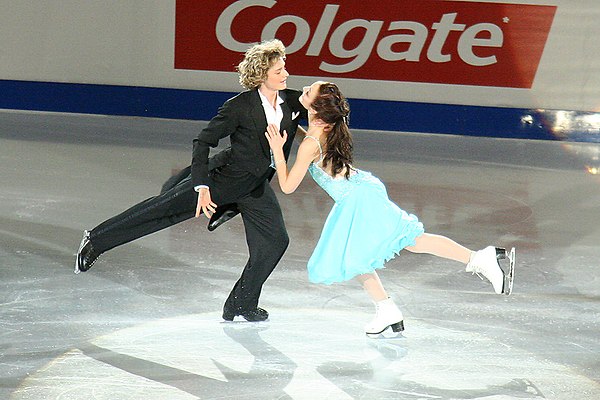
(403,116)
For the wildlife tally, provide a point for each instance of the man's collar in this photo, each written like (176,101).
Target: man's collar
(265,101)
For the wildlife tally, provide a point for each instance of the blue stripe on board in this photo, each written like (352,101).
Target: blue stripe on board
(203,105)
(110,99)
(448,119)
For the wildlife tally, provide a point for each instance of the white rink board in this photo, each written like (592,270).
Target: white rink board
(131,43)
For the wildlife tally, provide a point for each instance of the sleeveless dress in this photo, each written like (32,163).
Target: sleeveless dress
(363,230)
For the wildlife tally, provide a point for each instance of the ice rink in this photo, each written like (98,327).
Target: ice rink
(145,321)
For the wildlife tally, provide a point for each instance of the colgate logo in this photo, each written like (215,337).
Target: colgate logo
(487,44)
(469,39)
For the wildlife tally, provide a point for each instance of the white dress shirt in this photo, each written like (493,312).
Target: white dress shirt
(274,116)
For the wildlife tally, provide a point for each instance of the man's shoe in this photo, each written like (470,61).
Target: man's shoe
(86,255)
(222,215)
(256,315)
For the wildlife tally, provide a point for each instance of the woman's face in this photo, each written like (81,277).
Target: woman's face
(277,76)
(309,93)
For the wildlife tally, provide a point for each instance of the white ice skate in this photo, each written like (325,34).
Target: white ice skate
(387,315)
(486,262)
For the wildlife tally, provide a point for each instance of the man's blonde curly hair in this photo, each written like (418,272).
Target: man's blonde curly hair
(257,61)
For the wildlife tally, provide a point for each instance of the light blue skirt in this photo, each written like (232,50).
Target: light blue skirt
(360,234)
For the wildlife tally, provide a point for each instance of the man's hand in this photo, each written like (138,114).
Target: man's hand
(205,204)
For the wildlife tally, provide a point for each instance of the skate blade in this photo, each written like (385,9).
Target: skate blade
(386,334)
(509,276)
(239,321)
(86,236)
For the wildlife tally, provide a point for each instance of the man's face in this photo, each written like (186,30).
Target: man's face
(277,76)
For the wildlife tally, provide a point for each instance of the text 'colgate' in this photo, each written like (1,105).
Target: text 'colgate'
(453,42)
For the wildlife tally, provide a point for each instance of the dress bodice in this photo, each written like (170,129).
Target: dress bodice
(339,187)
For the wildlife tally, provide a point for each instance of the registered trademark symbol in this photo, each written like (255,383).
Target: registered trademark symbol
(506,20)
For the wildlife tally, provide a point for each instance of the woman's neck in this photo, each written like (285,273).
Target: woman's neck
(316,131)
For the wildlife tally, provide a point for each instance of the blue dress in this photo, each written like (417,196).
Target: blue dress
(363,230)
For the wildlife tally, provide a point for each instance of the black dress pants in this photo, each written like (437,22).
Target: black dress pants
(267,240)
(266,234)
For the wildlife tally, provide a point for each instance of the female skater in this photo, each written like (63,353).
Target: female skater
(364,229)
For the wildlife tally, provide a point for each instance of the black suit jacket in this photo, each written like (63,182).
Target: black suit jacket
(242,119)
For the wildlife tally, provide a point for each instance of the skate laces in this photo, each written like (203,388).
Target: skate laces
(474,267)
(478,273)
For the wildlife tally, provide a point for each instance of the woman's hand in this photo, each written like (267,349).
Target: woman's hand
(276,141)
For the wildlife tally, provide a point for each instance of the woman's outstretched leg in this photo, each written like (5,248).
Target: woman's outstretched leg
(386,313)
(483,262)
(441,246)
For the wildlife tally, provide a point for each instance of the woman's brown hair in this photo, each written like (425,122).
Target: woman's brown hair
(332,108)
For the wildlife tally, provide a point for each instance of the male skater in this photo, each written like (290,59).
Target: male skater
(235,179)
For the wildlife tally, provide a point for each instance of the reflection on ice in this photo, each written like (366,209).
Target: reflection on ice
(307,354)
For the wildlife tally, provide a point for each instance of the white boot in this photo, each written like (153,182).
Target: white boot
(386,315)
(485,262)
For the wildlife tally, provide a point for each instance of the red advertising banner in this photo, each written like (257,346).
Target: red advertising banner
(433,41)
